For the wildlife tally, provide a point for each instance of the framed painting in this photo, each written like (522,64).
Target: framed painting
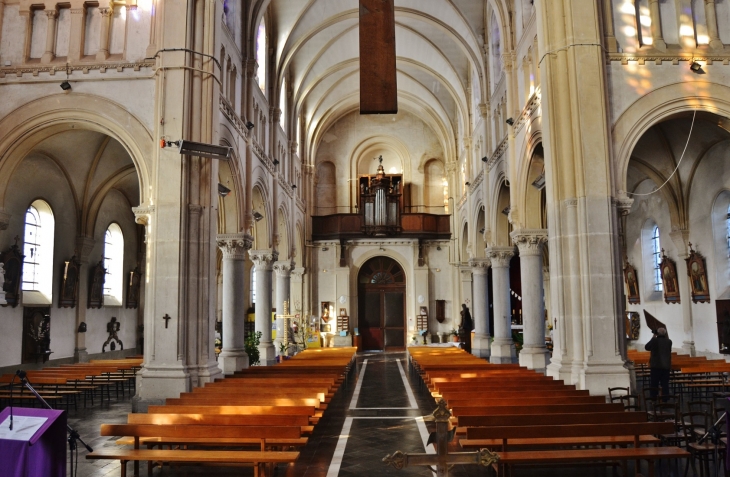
(669,279)
(632,325)
(12,261)
(133,289)
(69,283)
(632,284)
(697,274)
(96,286)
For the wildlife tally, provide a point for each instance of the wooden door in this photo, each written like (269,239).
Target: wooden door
(381,314)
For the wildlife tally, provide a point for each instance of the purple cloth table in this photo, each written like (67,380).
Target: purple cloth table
(44,455)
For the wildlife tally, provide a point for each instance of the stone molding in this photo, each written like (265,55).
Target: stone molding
(529,241)
(143,214)
(529,111)
(571,202)
(500,256)
(35,70)
(476,182)
(479,266)
(283,268)
(234,246)
(498,153)
(658,59)
(263,259)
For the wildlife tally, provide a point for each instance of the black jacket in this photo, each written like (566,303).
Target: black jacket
(661,352)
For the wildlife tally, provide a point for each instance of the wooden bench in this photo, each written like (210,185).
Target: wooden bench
(211,433)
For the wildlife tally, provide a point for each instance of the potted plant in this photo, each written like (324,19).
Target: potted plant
(455,335)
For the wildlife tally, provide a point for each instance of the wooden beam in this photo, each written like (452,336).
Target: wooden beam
(378,85)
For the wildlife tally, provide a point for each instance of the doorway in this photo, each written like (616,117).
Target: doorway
(382,306)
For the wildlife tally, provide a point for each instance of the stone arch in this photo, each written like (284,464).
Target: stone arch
(39,119)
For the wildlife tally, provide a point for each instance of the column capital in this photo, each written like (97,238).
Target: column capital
(500,256)
(143,214)
(275,114)
(52,14)
(623,203)
(105,12)
(483,110)
(529,241)
(283,268)
(234,246)
(479,266)
(263,259)
(297,274)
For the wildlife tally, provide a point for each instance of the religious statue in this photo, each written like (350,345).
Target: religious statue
(466,327)
(697,276)
(112,328)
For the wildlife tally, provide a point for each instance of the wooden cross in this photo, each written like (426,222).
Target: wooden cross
(443,460)
(378,80)
(167,319)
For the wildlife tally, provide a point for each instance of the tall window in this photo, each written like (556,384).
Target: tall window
(656,250)
(114,265)
(261,55)
(37,281)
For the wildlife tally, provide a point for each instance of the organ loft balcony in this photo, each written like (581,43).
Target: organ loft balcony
(383,210)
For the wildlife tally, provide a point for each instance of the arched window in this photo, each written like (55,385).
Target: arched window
(37,281)
(656,250)
(261,55)
(114,265)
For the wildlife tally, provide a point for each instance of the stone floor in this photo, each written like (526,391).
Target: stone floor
(377,411)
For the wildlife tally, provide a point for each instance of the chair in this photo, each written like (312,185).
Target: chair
(624,396)
(703,452)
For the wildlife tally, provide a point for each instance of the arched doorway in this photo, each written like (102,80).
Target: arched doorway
(382,311)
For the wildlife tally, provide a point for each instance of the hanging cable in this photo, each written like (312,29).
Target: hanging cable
(678,162)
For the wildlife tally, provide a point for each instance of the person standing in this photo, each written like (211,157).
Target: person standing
(660,362)
(466,327)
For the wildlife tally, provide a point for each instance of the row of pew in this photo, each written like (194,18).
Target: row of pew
(528,418)
(258,417)
(66,385)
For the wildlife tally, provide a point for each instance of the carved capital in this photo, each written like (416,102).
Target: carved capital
(234,246)
(275,114)
(105,12)
(483,110)
(143,214)
(263,259)
(479,266)
(623,203)
(283,268)
(500,256)
(529,242)
(51,14)
(297,274)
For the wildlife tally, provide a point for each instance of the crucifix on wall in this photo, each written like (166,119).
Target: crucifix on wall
(378,83)
(167,319)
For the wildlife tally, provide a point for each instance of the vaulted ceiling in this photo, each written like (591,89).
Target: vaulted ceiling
(439,50)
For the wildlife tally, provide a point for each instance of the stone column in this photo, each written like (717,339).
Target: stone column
(50,53)
(233,355)
(534,354)
(480,309)
(283,270)
(656,26)
(680,238)
(264,260)
(503,348)
(76,35)
(84,246)
(106,18)
(711,18)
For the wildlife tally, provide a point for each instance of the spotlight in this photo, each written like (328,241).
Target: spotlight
(223,190)
(293,186)
(257,216)
(694,66)
(199,149)
(276,162)
(65,86)
(438,247)
(467,184)
(510,121)
(506,210)
(249,125)
(484,159)
(539,183)
(481,231)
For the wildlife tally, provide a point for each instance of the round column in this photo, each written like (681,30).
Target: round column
(264,260)
(283,285)
(503,348)
(534,354)
(233,355)
(480,298)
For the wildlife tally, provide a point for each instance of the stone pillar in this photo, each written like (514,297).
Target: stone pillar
(534,354)
(656,26)
(106,18)
(711,18)
(580,189)
(680,238)
(50,53)
(233,355)
(480,346)
(503,348)
(608,28)
(264,260)
(76,35)
(283,270)
(84,246)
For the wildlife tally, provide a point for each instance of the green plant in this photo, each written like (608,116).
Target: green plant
(454,332)
(252,347)
(283,347)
